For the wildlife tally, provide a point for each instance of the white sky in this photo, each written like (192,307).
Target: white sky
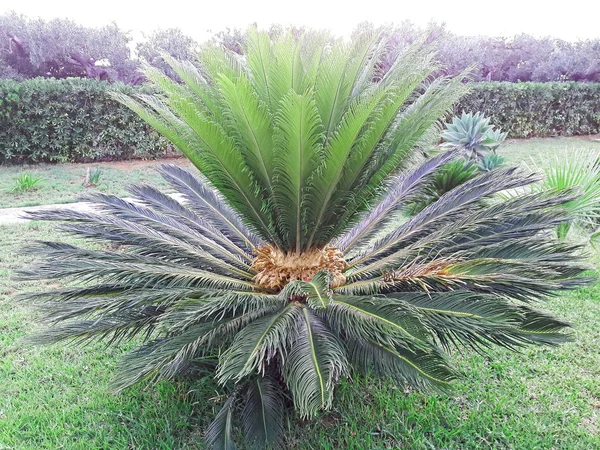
(576,19)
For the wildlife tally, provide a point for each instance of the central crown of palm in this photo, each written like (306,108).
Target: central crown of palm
(289,262)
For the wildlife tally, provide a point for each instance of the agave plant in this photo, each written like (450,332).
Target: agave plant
(490,162)
(287,265)
(472,134)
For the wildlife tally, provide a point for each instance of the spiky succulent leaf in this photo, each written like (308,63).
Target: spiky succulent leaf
(473,134)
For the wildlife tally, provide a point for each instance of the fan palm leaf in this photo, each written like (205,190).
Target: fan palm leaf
(289,262)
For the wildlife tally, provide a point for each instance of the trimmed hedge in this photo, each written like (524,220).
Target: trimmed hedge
(74,120)
(537,109)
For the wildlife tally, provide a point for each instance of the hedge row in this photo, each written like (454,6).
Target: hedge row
(537,109)
(75,120)
(70,120)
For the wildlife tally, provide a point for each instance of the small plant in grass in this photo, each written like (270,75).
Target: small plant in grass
(92,177)
(26,182)
(286,267)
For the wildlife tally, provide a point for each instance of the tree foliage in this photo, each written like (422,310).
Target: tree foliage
(61,48)
(516,59)
(172,41)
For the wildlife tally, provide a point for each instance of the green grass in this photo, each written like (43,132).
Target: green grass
(58,397)
(539,151)
(64,183)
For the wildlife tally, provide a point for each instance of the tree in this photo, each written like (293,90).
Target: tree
(171,41)
(61,48)
(289,265)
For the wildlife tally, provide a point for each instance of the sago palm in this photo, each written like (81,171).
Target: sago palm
(289,265)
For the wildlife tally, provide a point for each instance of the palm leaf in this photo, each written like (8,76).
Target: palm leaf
(219,433)
(263,413)
(297,139)
(251,126)
(209,204)
(314,363)
(317,292)
(258,343)
(417,368)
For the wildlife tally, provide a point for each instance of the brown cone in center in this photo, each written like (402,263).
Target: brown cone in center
(275,268)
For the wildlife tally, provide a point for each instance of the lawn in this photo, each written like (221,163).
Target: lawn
(58,397)
(64,183)
(541,150)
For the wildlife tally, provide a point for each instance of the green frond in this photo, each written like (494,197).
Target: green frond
(195,81)
(332,87)
(480,320)
(258,45)
(375,318)
(127,269)
(336,155)
(316,291)
(314,363)
(451,206)
(210,205)
(401,191)
(219,435)
(212,151)
(258,343)
(297,138)
(251,127)
(411,126)
(263,413)
(422,369)
(287,72)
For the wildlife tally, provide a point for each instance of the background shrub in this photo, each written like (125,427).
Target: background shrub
(537,109)
(47,120)
(74,120)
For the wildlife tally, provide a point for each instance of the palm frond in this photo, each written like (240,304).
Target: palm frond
(401,191)
(480,320)
(219,435)
(259,61)
(129,269)
(450,207)
(213,152)
(418,368)
(314,363)
(263,413)
(316,292)
(258,343)
(297,139)
(287,72)
(251,127)
(375,319)
(209,204)
(167,205)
